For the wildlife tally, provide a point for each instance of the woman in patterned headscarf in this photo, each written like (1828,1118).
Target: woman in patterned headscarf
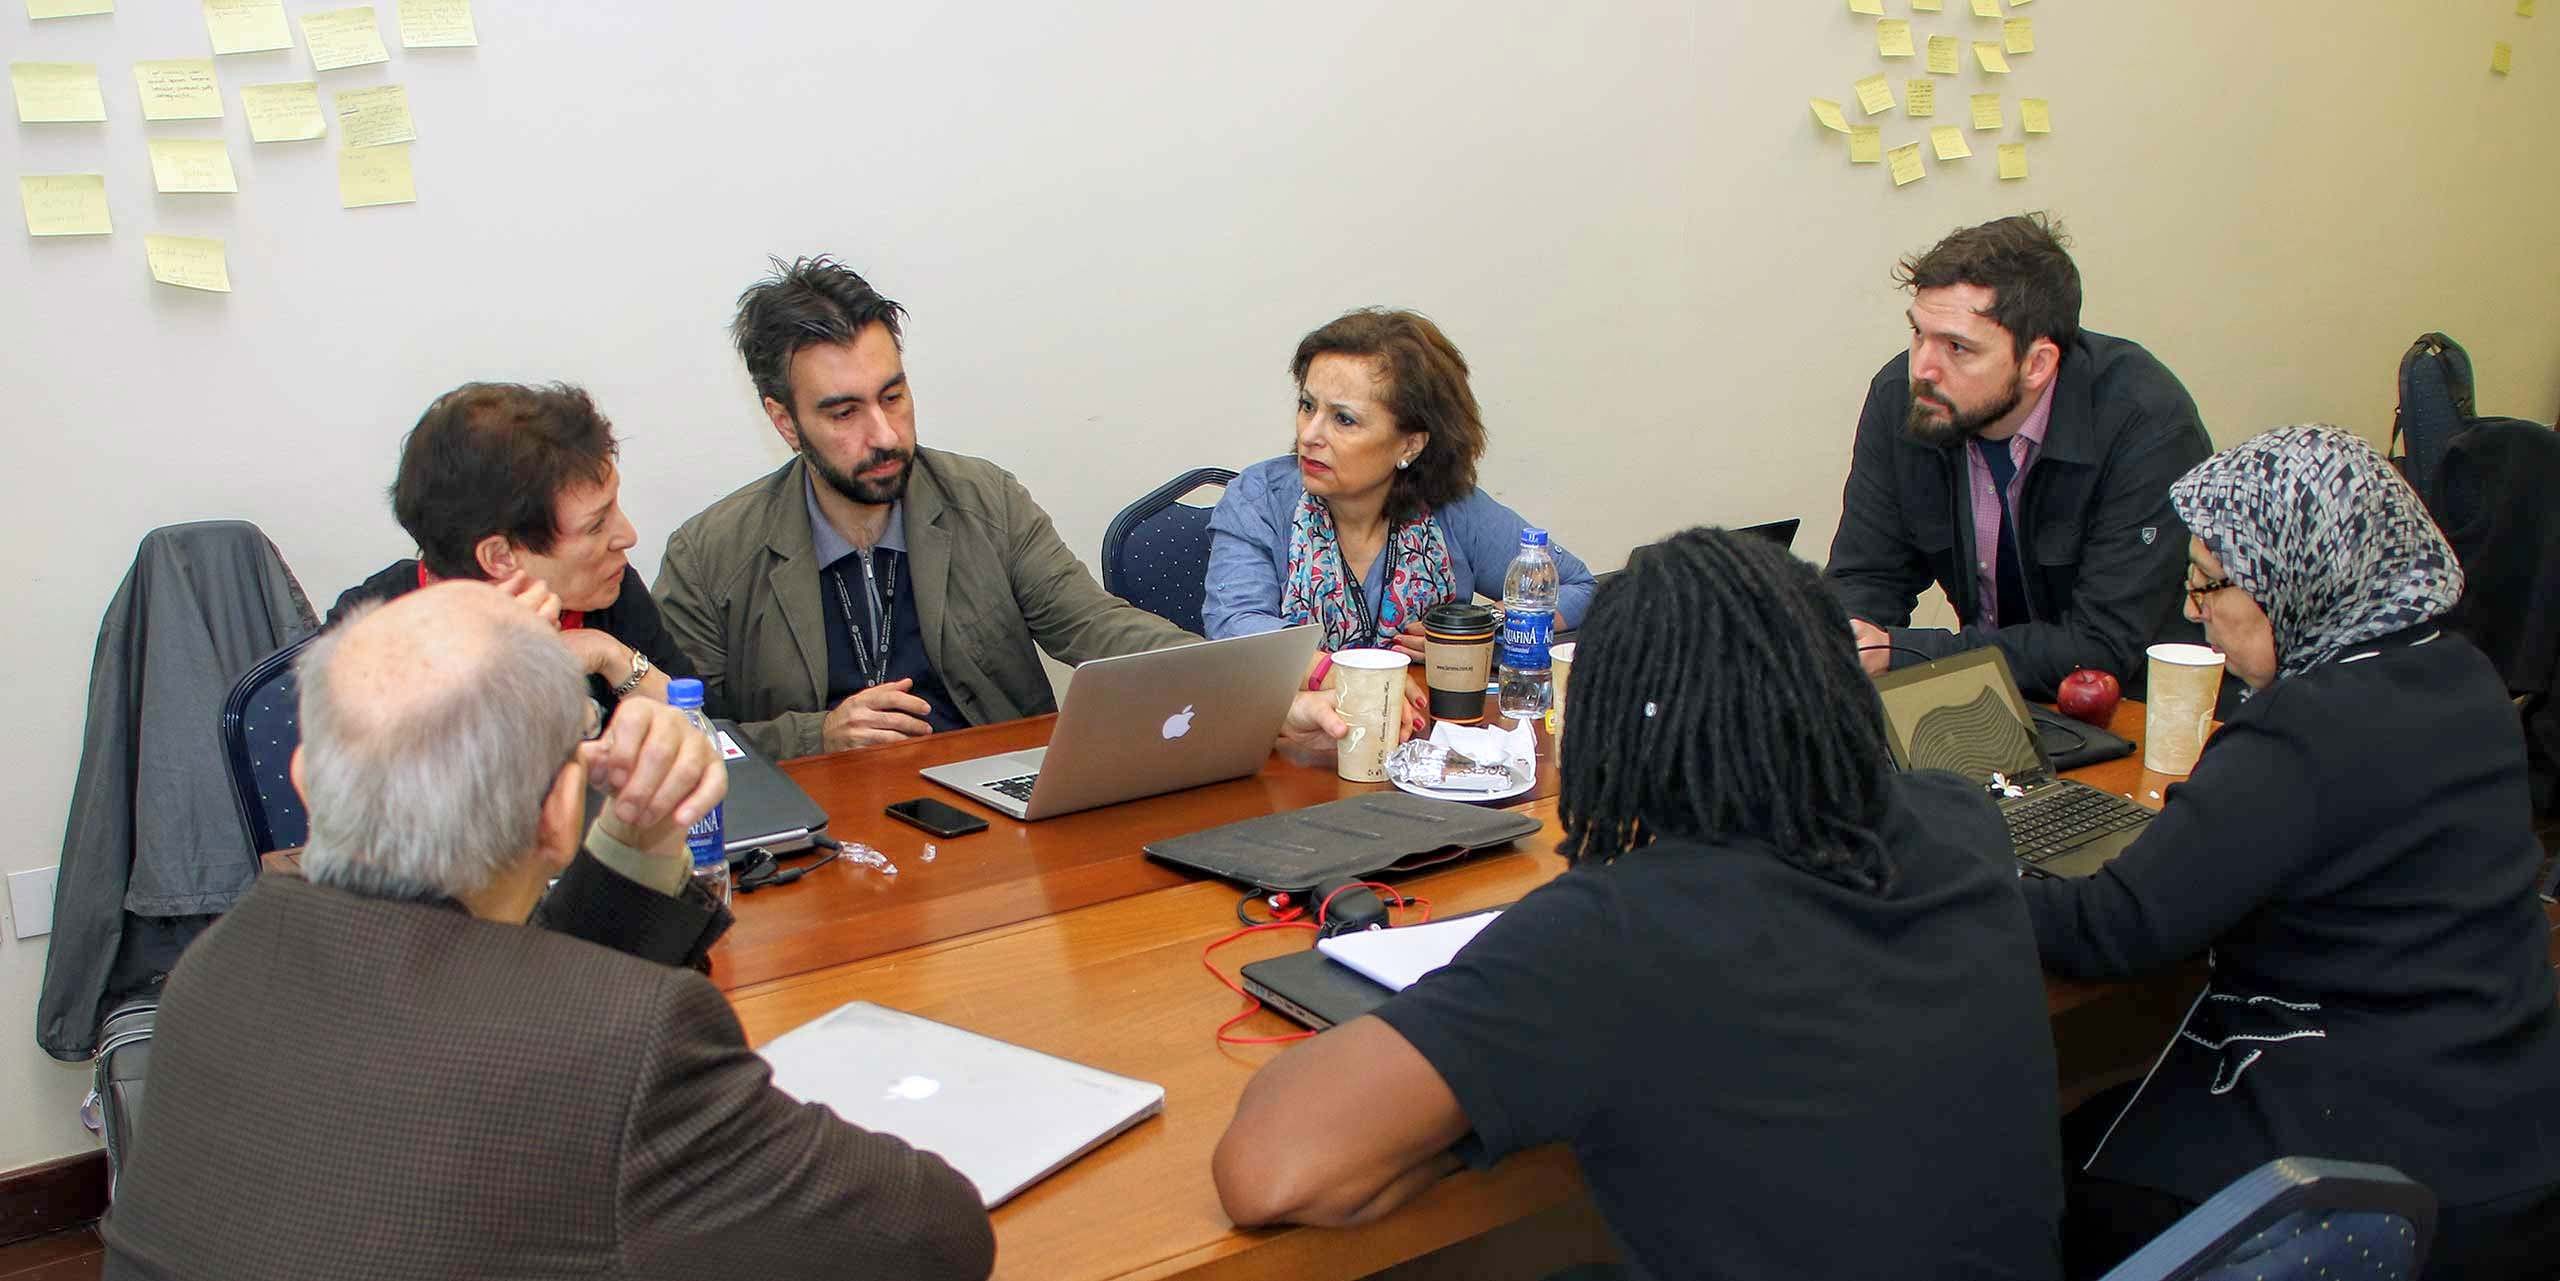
(2353,853)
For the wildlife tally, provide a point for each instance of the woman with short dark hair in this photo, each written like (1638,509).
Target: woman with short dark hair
(2355,854)
(1375,516)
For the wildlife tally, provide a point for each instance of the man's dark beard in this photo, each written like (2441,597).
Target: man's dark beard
(853,486)
(1956,426)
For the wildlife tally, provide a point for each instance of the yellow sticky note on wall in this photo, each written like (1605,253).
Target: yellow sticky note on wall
(1989,55)
(1874,8)
(437,24)
(1905,161)
(375,117)
(1919,98)
(1986,8)
(287,112)
(2013,161)
(1893,38)
(1866,145)
(343,38)
(181,166)
(1946,55)
(2502,58)
(1949,143)
(1875,95)
(189,262)
(57,92)
(41,9)
(178,89)
(246,26)
(2018,35)
(376,176)
(1925,6)
(2035,115)
(1986,111)
(65,204)
(1828,112)
(2524,8)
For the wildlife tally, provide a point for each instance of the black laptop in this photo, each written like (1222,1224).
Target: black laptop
(764,808)
(1963,714)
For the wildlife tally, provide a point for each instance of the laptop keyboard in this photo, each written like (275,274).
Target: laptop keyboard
(2063,818)
(1018,787)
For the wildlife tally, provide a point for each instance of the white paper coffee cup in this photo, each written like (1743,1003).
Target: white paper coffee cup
(2185,683)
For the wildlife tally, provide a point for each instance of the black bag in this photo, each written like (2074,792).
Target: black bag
(115,1089)
(2435,402)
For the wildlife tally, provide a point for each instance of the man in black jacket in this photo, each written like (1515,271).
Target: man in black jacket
(2021,463)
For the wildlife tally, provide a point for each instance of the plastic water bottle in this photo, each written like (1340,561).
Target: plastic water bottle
(710,853)
(1528,624)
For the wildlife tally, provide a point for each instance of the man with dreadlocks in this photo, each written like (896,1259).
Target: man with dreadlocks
(1783,1005)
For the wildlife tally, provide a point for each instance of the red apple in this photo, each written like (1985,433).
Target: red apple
(2089,696)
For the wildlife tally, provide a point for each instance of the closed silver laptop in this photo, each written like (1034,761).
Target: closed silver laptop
(1003,1116)
(1145,724)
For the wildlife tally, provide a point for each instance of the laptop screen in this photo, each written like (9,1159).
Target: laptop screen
(1961,714)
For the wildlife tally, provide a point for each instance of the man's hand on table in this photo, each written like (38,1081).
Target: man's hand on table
(884,713)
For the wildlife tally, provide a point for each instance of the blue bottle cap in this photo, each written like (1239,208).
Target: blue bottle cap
(1533,537)
(684,691)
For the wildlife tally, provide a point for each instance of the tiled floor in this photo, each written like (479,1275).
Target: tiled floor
(64,1256)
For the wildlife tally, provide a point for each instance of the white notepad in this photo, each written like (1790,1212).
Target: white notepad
(1394,959)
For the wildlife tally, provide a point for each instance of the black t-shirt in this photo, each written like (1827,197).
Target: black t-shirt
(632,618)
(1765,1074)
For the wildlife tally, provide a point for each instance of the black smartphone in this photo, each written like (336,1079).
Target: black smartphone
(936,817)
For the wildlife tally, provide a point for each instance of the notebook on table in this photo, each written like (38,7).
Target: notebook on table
(1964,714)
(1005,1117)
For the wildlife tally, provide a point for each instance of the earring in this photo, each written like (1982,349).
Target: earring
(1403,463)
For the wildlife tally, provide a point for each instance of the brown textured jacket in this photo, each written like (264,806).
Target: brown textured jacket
(738,588)
(346,1086)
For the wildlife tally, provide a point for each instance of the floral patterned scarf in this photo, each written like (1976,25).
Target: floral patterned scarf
(1419,575)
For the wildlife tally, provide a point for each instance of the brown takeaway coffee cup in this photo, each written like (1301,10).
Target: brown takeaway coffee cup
(1457,659)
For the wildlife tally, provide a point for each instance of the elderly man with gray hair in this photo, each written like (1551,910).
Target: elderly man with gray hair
(378,1070)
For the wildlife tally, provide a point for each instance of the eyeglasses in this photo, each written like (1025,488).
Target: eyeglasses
(2196,592)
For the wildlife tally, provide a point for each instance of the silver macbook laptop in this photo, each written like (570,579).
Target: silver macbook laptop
(1003,1116)
(1964,714)
(1149,723)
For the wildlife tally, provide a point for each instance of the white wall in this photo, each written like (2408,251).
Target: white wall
(1112,221)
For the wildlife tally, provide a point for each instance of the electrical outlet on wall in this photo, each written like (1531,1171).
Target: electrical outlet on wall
(31,902)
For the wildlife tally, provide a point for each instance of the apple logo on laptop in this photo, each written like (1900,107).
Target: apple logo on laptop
(1178,724)
(912,1089)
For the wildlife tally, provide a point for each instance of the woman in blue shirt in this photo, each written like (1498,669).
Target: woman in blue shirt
(1375,517)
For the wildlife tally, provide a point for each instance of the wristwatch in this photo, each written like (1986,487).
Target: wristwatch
(639,670)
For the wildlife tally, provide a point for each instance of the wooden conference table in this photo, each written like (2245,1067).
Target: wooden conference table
(1062,936)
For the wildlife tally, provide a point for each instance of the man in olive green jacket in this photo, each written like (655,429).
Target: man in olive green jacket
(870,591)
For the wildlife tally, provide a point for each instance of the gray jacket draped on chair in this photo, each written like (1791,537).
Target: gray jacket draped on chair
(154,847)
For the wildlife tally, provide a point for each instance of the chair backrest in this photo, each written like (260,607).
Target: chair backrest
(2436,399)
(1155,555)
(2296,1219)
(259,733)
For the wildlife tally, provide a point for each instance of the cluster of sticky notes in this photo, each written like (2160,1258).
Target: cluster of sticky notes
(1941,57)
(375,124)
(1942,54)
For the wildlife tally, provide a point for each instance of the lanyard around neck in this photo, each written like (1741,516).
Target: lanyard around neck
(1365,627)
(884,619)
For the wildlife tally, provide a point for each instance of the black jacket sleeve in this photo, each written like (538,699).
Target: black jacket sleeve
(636,624)
(1875,569)
(596,903)
(2225,843)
